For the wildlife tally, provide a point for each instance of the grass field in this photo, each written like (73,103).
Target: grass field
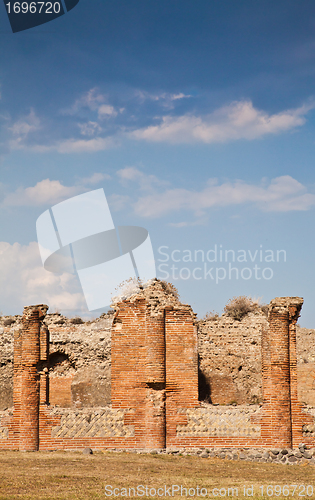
(71,476)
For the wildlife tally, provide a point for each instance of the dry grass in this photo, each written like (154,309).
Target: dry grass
(73,476)
(239,307)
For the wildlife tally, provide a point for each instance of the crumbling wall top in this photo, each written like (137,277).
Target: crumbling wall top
(158,295)
(29,310)
(286,305)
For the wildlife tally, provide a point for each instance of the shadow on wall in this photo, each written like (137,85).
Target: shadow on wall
(59,360)
(204,387)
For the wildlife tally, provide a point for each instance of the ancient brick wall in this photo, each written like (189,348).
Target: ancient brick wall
(160,372)
(282,411)
(154,386)
(229,360)
(181,369)
(79,360)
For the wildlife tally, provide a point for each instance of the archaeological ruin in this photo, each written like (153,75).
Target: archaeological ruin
(149,375)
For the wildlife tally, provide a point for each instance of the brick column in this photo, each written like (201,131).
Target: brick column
(155,380)
(30,387)
(279,370)
(181,368)
(138,370)
(298,418)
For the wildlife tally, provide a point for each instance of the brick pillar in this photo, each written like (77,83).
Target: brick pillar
(154,369)
(279,370)
(138,371)
(155,380)
(181,368)
(30,387)
(298,418)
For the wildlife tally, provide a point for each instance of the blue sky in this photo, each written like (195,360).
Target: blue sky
(196,117)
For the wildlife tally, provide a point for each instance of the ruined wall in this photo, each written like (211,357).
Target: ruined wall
(281,421)
(138,378)
(6,362)
(229,359)
(160,372)
(305,347)
(154,379)
(79,360)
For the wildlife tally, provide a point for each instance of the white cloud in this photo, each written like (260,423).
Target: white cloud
(283,194)
(163,96)
(105,111)
(25,125)
(239,120)
(200,222)
(24,281)
(94,101)
(119,202)
(91,100)
(83,146)
(129,173)
(89,128)
(22,128)
(94,178)
(145,181)
(69,146)
(44,192)
(176,97)
(50,192)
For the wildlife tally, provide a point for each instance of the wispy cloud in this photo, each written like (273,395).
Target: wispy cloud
(94,178)
(22,128)
(104,126)
(105,111)
(44,192)
(145,181)
(282,194)
(89,128)
(95,101)
(84,146)
(92,100)
(119,202)
(166,99)
(69,146)
(239,120)
(50,192)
